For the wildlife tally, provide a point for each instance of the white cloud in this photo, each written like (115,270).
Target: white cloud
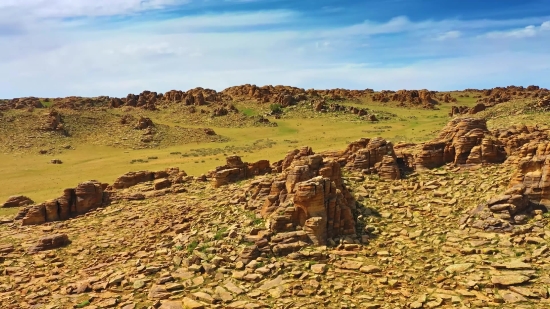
(527,32)
(449,35)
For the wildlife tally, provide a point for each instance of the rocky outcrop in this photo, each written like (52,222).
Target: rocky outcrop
(463,110)
(166,178)
(85,197)
(307,196)
(371,156)
(144,123)
(17,201)
(423,97)
(515,137)
(322,106)
(21,103)
(528,193)
(131,179)
(388,168)
(236,170)
(51,121)
(50,242)
(462,141)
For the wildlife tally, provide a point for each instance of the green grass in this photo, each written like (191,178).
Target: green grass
(219,233)
(192,246)
(83,304)
(249,112)
(31,174)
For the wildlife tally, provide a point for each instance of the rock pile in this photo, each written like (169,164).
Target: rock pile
(412,97)
(236,170)
(528,192)
(20,103)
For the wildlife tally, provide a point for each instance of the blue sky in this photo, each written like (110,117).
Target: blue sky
(54,48)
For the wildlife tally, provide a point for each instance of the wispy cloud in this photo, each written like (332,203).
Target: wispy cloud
(82,8)
(527,32)
(449,35)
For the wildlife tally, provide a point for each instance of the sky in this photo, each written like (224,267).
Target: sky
(57,48)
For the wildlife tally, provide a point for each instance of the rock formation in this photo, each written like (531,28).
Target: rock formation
(52,121)
(236,170)
(528,193)
(463,110)
(461,141)
(307,196)
(412,97)
(144,123)
(130,179)
(85,197)
(367,155)
(17,201)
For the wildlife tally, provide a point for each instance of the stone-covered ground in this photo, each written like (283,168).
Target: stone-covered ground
(185,250)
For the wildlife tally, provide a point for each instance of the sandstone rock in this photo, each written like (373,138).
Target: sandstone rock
(462,141)
(133,178)
(85,197)
(144,123)
(507,280)
(17,201)
(236,170)
(308,195)
(50,242)
(163,183)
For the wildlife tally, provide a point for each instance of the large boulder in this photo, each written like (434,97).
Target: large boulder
(17,201)
(50,242)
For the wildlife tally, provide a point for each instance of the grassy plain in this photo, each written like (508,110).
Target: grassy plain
(32,174)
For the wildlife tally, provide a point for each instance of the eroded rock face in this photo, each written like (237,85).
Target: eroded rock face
(17,201)
(307,196)
(462,141)
(85,197)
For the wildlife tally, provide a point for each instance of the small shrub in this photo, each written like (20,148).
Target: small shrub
(219,233)
(276,108)
(192,246)
(83,304)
